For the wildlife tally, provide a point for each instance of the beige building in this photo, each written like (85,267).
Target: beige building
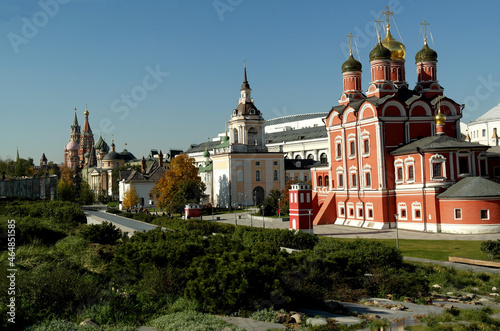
(240,166)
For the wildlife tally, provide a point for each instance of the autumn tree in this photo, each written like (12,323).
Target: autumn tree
(66,188)
(180,185)
(130,198)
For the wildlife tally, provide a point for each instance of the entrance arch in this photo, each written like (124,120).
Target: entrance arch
(258,194)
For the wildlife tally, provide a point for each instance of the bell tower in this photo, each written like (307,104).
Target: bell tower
(246,126)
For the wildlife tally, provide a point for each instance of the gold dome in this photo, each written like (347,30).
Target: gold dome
(439,118)
(398,49)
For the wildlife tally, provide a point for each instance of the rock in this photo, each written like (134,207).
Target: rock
(449,293)
(389,296)
(484,300)
(317,321)
(494,294)
(448,306)
(475,289)
(375,302)
(297,317)
(89,321)
(334,306)
(401,306)
(408,299)
(494,288)
(372,317)
(436,286)
(283,317)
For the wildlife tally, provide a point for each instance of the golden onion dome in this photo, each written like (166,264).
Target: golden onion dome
(439,118)
(398,49)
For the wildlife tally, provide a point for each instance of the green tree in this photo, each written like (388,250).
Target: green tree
(180,185)
(271,203)
(23,168)
(86,195)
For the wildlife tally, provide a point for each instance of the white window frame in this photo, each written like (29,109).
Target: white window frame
(367,170)
(438,158)
(409,161)
(398,163)
(369,207)
(340,183)
(365,136)
(414,207)
(338,142)
(455,213)
(341,206)
(401,207)
(350,153)
(487,214)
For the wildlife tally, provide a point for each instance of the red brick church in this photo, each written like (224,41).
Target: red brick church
(397,154)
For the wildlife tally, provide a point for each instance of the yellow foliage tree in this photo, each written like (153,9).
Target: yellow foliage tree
(180,185)
(130,198)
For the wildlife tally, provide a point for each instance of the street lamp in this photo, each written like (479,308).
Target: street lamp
(263,224)
(235,221)
(397,231)
(279,207)
(310,227)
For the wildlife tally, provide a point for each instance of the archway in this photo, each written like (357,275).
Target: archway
(258,194)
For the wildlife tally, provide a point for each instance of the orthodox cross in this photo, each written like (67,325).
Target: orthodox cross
(387,15)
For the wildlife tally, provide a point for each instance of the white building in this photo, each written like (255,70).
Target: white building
(486,128)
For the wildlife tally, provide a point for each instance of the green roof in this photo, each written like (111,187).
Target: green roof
(380,52)
(472,187)
(351,65)
(441,142)
(426,54)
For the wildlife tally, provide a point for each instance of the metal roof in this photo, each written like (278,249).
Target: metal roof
(472,187)
(436,143)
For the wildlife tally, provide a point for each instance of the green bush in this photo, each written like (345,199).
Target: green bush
(105,233)
(63,213)
(491,247)
(276,238)
(228,280)
(29,230)
(192,320)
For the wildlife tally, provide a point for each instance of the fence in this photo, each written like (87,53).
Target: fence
(34,187)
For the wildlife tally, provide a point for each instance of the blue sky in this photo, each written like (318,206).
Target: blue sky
(166,74)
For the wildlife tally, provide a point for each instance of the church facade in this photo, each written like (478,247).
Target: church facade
(395,154)
(242,170)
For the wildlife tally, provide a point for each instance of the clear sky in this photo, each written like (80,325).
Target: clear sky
(166,73)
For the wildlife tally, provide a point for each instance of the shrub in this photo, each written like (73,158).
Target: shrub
(224,282)
(105,233)
(191,320)
(491,247)
(276,238)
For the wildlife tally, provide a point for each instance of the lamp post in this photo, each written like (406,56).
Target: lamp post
(397,231)
(279,207)
(235,221)
(310,227)
(212,210)
(263,224)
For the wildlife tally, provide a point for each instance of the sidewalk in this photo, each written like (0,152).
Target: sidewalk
(343,231)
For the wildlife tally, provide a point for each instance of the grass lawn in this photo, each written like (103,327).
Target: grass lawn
(438,249)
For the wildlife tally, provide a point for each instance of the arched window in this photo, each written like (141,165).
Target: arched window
(323,159)
(235,133)
(310,157)
(298,157)
(252,136)
(320,181)
(257,176)
(276,176)
(327,181)
(368,179)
